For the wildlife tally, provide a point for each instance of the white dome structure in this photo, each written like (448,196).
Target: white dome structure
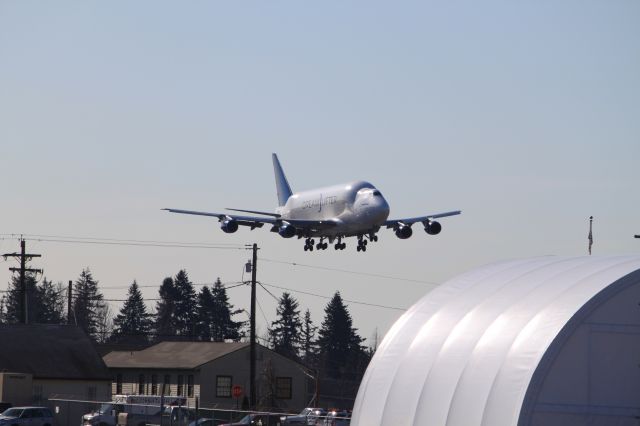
(546,341)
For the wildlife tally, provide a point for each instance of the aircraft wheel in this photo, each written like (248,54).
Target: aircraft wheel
(344,246)
(359,248)
(375,238)
(310,248)
(312,241)
(364,242)
(337,247)
(306,248)
(326,246)
(364,247)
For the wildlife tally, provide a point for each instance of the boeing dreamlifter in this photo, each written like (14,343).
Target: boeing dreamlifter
(355,209)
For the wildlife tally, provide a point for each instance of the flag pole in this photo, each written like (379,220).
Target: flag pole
(590,238)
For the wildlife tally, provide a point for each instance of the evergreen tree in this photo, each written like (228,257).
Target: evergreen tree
(88,305)
(340,346)
(50,302)
(13,299)
(286,329)
(133,323)
(206,308)
(223,327)
(309,346)
(185,305)
(165,325)
(46,301)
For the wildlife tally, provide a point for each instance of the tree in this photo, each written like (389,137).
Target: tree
(309,346)
(133,323)
(185,313)
(206,308)
(215,315)
(46,301)
(50,303)
(88,305)
(104,321)
(286,329)
(165,325)
(340,347)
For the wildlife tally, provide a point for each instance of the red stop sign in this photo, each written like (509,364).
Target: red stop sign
(236,391)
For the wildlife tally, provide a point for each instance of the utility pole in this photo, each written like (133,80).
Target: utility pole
(69,293)
(24,294)
(252,333)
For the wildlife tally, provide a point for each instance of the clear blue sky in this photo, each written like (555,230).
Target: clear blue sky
(525,115)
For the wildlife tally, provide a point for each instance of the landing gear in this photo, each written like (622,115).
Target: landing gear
(340,245)
(308,244)
(362,244)
(373,237)
(321,245)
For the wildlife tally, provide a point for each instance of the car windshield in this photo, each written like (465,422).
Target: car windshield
(13,412)
(105,409)
(246,420)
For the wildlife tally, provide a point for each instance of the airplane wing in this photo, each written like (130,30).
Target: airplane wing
(424,219)
(258,222)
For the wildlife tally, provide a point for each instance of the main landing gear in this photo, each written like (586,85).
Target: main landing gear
(309,242)
(340,245)
(362,243)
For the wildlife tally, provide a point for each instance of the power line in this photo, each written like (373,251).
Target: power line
(68,237)
(346,271)
(356,302)
(114,243)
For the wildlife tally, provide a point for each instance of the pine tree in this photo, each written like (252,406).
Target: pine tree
(46,301)
(340,346)
(133,323)
(185,305)
(88,305)
(286,329)
(223,327)
(50,302)
(206,308)
(309,346)
(13,299)
(165,326)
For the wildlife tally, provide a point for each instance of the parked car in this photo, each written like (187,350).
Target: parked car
(27,416)
(257,420)
(4,406)
(308,416)
(337,418)
(205,422)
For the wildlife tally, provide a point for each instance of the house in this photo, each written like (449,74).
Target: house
(40,362)
(207,372)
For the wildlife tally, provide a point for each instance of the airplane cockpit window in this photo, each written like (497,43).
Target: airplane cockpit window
(377,193)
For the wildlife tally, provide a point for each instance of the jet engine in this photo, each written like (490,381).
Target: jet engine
(229,226)
(287,231)
(432,227)
(403,232)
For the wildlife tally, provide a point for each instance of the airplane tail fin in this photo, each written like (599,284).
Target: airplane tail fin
(282,185)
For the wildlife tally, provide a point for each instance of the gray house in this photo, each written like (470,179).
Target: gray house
(42,362)
(209,371)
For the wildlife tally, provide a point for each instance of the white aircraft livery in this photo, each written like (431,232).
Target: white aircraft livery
(354,209)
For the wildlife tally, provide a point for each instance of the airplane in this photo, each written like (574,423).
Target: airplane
(354,209)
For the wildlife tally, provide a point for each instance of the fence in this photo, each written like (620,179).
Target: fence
(75,412)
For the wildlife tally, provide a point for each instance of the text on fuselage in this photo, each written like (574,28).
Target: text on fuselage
(318,203)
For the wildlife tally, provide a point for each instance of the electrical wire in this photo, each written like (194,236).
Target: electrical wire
(346,271)
(356,302)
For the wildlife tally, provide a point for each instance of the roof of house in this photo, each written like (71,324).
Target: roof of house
(172,355)
(50,352)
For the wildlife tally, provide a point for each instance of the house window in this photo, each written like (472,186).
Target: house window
(190,385)
(118,384)
(154,384)
(167,384)
(180,385)
(223,386)
(283,387)
(141,384)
